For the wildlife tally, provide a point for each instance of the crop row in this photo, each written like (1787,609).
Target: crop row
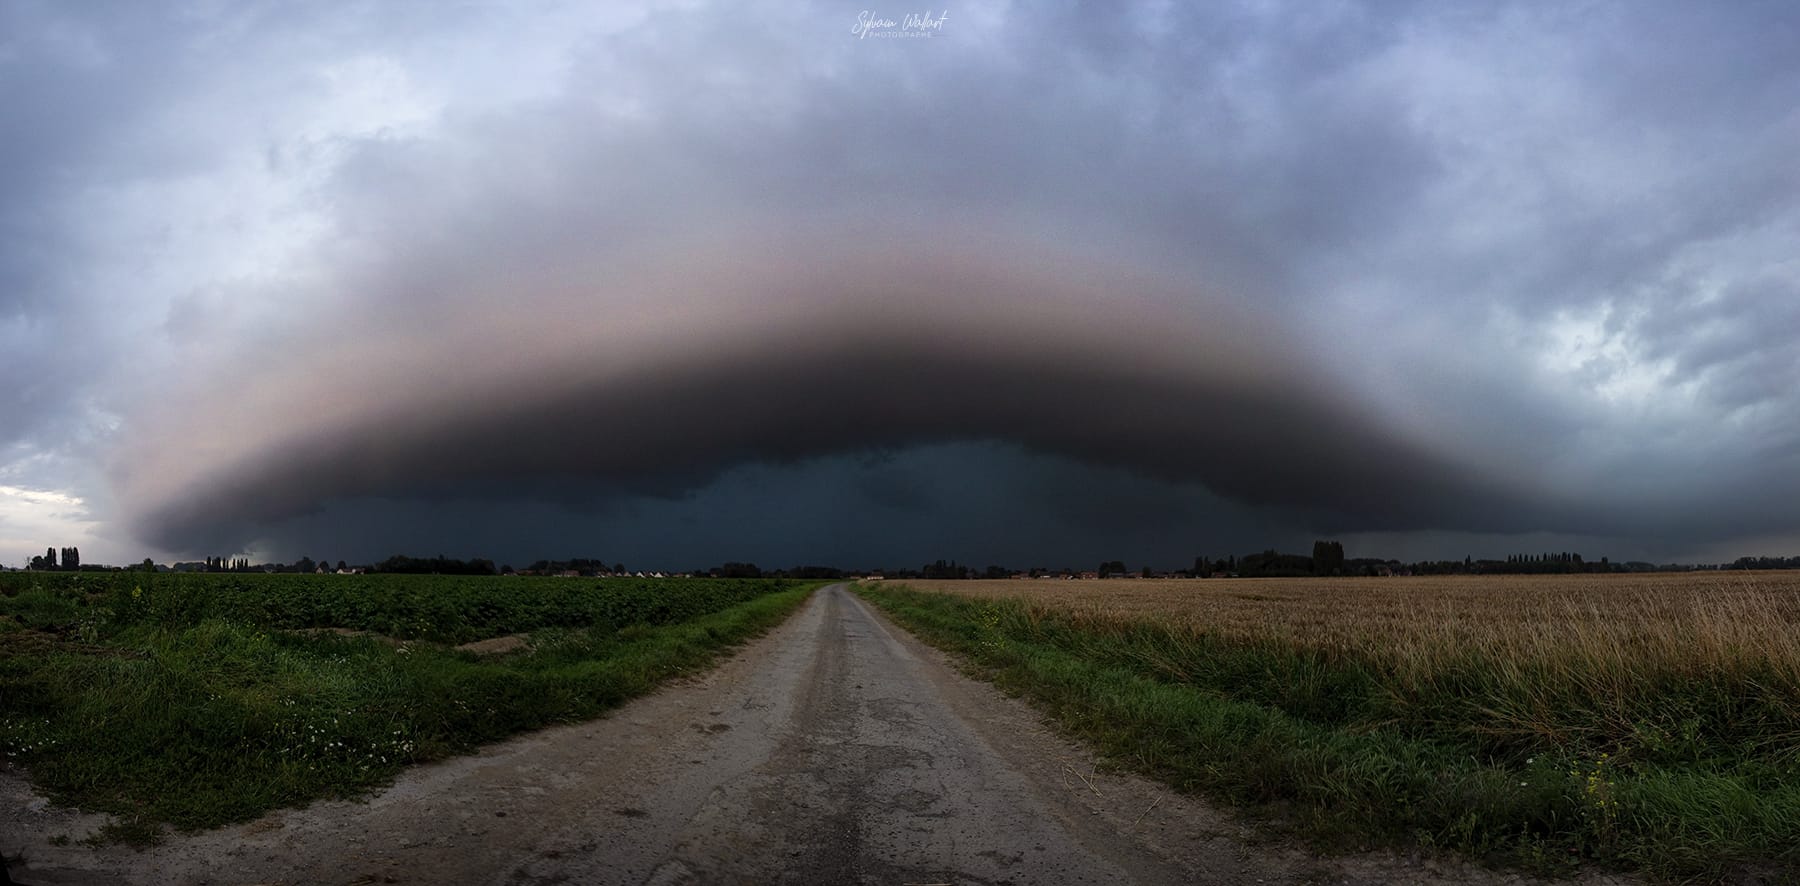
(443,609)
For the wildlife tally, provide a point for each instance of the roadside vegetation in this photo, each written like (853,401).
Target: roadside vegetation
(201,700)
(1645,723)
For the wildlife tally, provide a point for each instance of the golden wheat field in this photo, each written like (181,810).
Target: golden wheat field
(1693,620)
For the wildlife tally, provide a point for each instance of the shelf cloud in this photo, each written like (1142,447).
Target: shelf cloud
(1377,270)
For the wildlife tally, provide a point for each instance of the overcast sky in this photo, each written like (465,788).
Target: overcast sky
(1038,284)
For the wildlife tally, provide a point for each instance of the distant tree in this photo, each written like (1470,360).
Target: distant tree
(1112,568)
(305,564)
(148,565)
(1328,558)
(342,566)
(49,558)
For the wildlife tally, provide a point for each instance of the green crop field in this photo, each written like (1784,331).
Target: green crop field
(200,700)
(1648,723)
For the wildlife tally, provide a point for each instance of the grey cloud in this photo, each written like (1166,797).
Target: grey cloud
(877,352)
(1305,258)
(1721,341)
(84,92)
(1253,175)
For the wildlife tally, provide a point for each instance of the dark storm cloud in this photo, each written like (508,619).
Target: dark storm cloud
(846,353)
(1244,172)
(786,515)
(1366,267)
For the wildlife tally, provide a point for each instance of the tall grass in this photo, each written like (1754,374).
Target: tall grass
(1646,723)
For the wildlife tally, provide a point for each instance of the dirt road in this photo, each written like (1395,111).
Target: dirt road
(834,750)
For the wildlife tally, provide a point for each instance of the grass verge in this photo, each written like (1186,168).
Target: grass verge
(1320,741)
(204,722)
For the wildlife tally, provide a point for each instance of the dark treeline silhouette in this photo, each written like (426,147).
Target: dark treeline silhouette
(439,565)
(1765,563)
(244,564)
(1551,563)
(584,565)
(1271,564)
(47,561)
(58,560)
(63,560)
(1327,559)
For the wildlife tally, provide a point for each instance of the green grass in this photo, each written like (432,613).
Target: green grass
(1329,744)
(198,702)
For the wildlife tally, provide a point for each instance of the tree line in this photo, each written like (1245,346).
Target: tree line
(70,560)
(1327,559)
